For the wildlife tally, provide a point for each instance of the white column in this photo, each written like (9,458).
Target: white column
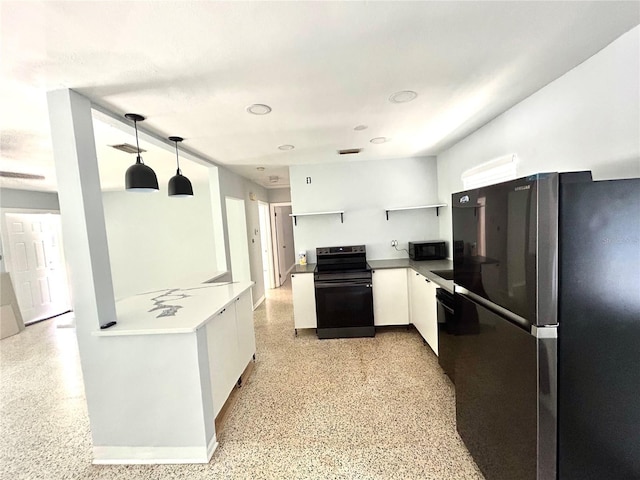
(85,241)
(83,227)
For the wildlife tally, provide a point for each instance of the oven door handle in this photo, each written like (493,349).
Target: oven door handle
(446,307)
(343,284)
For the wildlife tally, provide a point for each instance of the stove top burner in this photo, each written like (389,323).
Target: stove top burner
(340,259)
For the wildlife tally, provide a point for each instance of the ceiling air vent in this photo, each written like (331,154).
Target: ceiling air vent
(125,147)
(22,176)
(349,151)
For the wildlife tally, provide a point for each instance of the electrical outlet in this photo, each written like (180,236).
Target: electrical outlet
(394,243)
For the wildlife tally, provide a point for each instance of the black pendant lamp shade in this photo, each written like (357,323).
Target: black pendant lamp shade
(139,177)
(179,185)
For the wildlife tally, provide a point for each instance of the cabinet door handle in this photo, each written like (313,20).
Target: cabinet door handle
(427,280)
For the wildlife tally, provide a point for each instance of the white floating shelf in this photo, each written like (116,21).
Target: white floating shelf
(397,209)
(337,212)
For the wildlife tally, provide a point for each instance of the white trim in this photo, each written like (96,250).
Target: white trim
(258,302)
(153,455)
(494,171)
(274,240)
(269,245)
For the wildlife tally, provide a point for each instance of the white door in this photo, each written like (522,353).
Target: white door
(284,242)
(238,243)
(265,243)
(36,265)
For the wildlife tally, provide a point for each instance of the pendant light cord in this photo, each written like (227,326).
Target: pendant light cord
(135,126)
(178,160)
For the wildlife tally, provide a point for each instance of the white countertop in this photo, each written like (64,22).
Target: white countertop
(173,310)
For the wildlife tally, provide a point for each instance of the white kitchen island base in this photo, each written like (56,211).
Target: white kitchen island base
(173,359)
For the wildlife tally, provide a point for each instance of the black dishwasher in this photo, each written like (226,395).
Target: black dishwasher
(446,332)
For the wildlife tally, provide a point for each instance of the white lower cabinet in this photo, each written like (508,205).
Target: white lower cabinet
(390,297)
(222,346)
(304,300)
(246,331)
(400,296)
(423,307)
(231,345)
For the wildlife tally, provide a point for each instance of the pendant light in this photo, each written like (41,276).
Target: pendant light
(139,177)
(179,185)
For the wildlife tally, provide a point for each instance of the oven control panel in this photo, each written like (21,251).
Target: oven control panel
(340,250)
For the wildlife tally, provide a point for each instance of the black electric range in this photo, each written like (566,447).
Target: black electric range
(343,287)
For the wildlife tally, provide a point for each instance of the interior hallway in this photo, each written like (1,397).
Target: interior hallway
(368,408)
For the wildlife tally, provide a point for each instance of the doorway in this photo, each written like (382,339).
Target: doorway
(36,264)
(284,257)
(238,242)
(266,245)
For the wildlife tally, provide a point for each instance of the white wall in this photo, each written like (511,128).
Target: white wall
(157,242)
(279,195)
(363,190)
(588,119)
(238,241)
(14,198)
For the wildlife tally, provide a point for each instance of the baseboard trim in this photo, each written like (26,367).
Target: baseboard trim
(260,300)
(153,455)
(289,271)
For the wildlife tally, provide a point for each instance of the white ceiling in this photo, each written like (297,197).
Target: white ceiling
(192,67)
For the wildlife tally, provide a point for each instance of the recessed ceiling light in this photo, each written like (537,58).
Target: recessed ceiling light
(259,109)
(403,96)
(379,140)
(360,127)
(286,147)
(260,169)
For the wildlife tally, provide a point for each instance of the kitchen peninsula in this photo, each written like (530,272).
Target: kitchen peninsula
(176,356)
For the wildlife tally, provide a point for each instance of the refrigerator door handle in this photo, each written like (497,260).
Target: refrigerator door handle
(547,348)
(503,312)
(548,331)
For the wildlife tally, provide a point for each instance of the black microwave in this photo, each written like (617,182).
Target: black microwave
(432,250)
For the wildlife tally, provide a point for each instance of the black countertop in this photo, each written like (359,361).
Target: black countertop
(308,268)
(425,268)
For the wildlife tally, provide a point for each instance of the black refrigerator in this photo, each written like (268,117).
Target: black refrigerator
(547,307)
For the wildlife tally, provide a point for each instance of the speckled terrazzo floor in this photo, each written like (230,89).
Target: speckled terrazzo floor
(377,408)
